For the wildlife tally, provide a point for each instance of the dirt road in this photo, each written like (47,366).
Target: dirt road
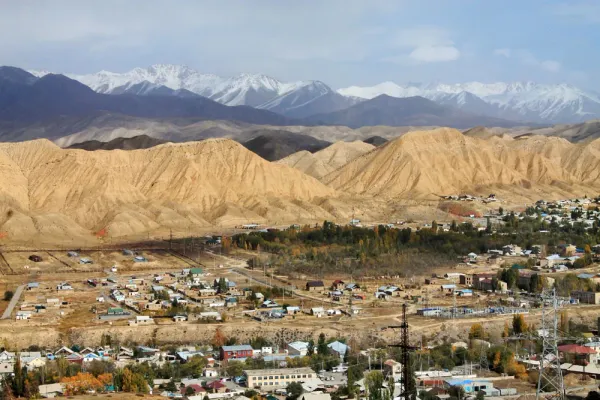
(13,302)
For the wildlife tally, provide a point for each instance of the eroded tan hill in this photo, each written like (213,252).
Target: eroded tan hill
(329,159)
(51,194)
(444,161)
(52,190)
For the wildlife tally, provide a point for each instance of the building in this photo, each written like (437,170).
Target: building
(469,385)
(466,280)
(315,396)
(392,368)
(338,348)
(314,286)
(268,379)
(141,320)
(236,352)
(317,312)
(297,349)
(586,297)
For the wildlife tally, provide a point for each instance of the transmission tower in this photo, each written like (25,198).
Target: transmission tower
(483,359)
(550,375)
(408,391)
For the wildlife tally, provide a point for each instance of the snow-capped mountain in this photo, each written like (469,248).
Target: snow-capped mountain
(525,101)
(308,99)
(244,89)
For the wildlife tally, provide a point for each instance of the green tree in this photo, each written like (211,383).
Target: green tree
(171,386)
(322,348)
(189,391)
(8,295)
(480,395)
(310,349)
(374,383)
(294,390)
(234,368)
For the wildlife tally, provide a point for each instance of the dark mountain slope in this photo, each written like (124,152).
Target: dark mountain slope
(408,111)
(134,143)
(275,145)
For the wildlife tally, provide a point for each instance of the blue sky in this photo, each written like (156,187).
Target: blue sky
(341,42)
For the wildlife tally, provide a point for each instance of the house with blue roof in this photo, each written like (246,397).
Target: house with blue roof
(338,348)
(469,385)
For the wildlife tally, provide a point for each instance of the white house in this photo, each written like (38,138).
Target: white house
(297,348)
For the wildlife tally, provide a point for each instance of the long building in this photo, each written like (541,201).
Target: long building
(267,379)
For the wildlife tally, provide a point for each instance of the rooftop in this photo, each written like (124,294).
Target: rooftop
(278,371)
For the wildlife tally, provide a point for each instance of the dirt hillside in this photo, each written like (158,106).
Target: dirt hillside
(48,190)
(327,160)
(444,161)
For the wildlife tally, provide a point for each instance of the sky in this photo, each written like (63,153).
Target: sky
(340,42)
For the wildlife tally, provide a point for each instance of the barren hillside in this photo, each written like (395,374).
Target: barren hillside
(327,160)
(128,192)
(443,161)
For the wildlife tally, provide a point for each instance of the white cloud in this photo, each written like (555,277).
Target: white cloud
(427,44)
(550,65)
(502,52)
(435,53)
(525,57)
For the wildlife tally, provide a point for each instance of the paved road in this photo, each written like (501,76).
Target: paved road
(13,302)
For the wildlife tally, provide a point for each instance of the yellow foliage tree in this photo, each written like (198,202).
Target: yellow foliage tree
(506,330)
(84,382)
(476,331)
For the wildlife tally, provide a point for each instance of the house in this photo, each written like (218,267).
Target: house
(270,379)
(6,368)
(567,250)
(315,396)
(51,390)
(466,280)
(195,272)
(338,284)
(33,285)
(512,250)
(471,257)
(352,287)
(180,318)
(236,352)
(63,351)
(141,320)
(469,385)
(216,387)
(116,311)
(21,315)
(291,310)
(392,368)
(464,293)
(338,348)
(448,288)
(317,312)
(64,286)
(194,386)
(553,260)
(586,297)
(314,286)
(297,349)
(125,353)
(209,315)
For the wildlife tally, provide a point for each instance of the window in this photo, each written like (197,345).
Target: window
(304,376)
(287,377)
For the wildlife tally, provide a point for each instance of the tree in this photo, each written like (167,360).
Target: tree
(83,382)
(480,395)
(310,349)
(171,387)
(500,210)
(505,331)
(374,383)
(294,390)
(219,338)
(476,331)
(519,324)
(234,368)
(322,348)
(189,391)
(8,295)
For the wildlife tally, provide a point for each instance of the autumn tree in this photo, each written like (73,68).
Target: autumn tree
(505,331)
(476,332)
(219,339)
(84,382)
(519,324)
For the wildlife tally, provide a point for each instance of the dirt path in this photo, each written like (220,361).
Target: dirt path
(13,302)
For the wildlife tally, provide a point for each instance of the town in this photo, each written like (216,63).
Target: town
(263,313)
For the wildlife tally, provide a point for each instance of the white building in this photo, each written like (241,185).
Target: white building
(270,379)
(297,349)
